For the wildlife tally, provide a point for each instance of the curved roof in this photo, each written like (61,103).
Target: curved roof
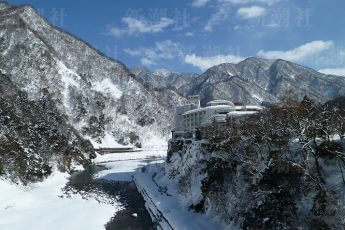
(220,102)
(240,113)
(215,107)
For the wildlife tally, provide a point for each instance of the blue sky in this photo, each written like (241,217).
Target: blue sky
(192,35)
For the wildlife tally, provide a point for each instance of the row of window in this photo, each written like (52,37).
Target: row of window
(195,114)
(192,123)
(193,119)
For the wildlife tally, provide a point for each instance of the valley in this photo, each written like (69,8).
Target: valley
(88,141)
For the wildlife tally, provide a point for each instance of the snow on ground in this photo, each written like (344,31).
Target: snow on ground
(150,141)
(40,207)
(106,86)
(257,97)
(140,155)
(69,78)
(107,142)
(67,74)
(123,166)
(166,205)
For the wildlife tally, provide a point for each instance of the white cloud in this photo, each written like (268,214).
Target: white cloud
(298,53)
(238,2)
(251,12)
(136,26)
(333,71)
(162,50)
(204,63)
(147,62)
(220,15)
(133,52)
(199,3)
(116,31)
(189,34)
(224,10)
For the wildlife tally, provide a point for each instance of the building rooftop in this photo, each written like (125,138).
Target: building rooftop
(240,113)
(248,107)
(220,102)
(254,107)
(209,108)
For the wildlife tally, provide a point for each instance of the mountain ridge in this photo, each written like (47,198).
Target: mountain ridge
(93,89)
(261,81)
(87,85)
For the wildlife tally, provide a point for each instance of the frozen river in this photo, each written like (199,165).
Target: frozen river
(102,195)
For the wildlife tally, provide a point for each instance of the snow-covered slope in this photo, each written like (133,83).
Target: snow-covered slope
(35,137)
(98,94)
(257,80)
(164,78)
(252,81)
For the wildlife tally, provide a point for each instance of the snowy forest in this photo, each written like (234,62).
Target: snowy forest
(280,168)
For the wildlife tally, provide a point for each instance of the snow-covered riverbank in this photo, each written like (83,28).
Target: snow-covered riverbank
(163,201)
(123,166)
(44,206)
(165,204)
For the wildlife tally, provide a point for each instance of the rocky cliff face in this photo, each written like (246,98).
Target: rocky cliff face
(247,194)
(99,95)
(281,168)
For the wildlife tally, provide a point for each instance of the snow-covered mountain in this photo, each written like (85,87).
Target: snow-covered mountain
(100,97)
(255,81)
(164,78)
(35,137)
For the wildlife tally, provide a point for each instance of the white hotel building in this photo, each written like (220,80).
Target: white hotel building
(191,117)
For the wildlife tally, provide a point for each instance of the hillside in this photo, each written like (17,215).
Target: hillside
(35,137)
(100,97)
(259,81)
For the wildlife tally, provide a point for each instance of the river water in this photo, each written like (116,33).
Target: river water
(124,192)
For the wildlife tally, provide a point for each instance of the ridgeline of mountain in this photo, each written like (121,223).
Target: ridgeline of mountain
(98,94)
(257,81)
(164,78)
(57,90)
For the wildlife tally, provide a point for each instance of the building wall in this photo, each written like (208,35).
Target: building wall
(194,100)
(180,110)
(191,117)
(194,120)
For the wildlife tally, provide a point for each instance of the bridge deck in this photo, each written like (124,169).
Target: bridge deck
(116,150)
